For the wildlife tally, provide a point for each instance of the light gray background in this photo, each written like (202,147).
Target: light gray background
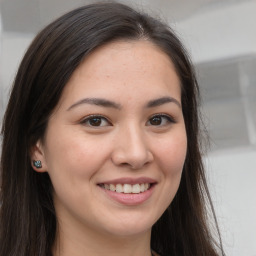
(221,38)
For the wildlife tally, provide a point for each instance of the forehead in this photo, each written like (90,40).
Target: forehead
(133,66)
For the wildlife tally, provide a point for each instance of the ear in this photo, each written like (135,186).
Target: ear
(37,157)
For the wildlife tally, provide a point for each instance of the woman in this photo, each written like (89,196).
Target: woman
(101,143)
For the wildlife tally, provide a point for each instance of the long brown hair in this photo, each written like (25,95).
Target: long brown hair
(27,217)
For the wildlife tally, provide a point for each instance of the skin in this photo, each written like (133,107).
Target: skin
(126,142)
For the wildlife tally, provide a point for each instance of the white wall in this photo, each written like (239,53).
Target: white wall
(221,32)
(232,183)
(13,46)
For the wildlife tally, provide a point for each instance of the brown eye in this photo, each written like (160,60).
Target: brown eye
(160,120)
(156,120)
(95,121)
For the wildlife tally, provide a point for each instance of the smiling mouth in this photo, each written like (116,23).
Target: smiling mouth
(127,188)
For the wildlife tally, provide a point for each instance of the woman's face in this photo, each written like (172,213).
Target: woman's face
(116,143)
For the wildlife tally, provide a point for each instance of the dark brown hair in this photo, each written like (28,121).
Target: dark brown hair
(27,217)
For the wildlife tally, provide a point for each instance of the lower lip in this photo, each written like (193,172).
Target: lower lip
(129,199)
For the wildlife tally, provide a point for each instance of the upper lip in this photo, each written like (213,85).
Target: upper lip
(129,180)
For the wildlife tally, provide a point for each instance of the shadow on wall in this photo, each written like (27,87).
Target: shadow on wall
(229,91)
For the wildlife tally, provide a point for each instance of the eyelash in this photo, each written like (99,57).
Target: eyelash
(169,118)
(86,120)
(91,117)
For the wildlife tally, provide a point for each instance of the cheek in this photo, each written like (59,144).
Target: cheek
(74,156)
(172,155)
(72,164)
(170,158)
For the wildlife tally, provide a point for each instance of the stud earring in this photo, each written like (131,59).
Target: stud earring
(37,163)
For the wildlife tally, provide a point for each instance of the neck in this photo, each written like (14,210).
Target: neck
(79,242)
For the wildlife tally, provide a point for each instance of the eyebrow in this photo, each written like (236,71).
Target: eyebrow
(97,102)
(161,101)
(111,104)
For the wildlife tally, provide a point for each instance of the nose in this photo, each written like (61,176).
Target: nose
(131,149)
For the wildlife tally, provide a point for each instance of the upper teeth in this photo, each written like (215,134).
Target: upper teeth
(127,188)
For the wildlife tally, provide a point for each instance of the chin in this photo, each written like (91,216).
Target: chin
(129,227)
(128,232)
